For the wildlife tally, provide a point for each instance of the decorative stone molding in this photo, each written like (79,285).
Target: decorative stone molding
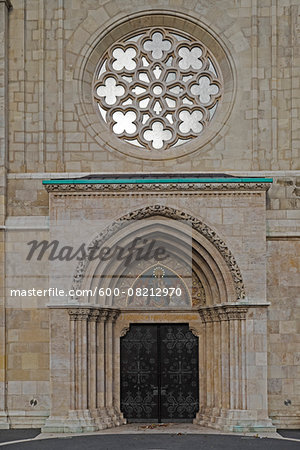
(223,312)
(124,331)
(194,330)
(79,313)
(174,214)
(233,188)
(93,314)
(198,292)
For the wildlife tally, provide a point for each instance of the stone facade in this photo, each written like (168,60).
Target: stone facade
(49,51)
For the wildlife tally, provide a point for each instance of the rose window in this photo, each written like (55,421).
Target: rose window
(157,89)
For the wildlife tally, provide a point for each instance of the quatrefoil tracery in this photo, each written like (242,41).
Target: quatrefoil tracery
(157,89)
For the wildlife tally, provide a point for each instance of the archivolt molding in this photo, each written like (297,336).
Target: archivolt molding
(159,210)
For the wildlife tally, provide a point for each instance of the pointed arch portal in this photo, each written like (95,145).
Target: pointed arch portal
(102,380)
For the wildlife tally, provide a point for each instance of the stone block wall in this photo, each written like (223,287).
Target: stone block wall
(5,5)
(44,134)
(284,331)
(49,45)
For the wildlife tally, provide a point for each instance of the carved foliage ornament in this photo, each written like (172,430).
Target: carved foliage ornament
(159,187)
(157,89)
(93,315)
(223,313)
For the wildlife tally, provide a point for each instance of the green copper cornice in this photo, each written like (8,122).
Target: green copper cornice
(157,181)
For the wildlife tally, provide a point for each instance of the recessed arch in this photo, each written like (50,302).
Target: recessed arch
(208,252)
(165,273)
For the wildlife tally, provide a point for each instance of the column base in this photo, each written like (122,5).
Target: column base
(54,424)
(4,423)
(83,421)
(234,420)
(78,421)
(102,418)
(117,417)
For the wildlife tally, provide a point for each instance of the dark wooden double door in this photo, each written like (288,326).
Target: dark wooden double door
(159,373)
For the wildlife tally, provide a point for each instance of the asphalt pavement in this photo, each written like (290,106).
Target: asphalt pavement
(155,442)
(18,434)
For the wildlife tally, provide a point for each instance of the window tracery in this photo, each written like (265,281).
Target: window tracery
(157,89)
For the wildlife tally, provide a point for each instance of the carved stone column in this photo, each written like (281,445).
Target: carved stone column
(92,333)
(216,362)
(243,390)
(109,365)
(226,371)
(83,358)
(224,359)
(82,368)
(120,420)
(102,412)
(207,394)
(209,360)
(237,317)
(107,413)
(202,370)
(80,419)
(73,336)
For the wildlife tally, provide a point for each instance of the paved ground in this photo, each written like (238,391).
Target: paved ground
(156,442)
(16,435)
(294,434)
(149,437)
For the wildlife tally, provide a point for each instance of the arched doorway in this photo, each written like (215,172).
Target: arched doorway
(221,317)
(159,373)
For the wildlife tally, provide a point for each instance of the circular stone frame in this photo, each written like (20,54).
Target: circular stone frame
(89,115)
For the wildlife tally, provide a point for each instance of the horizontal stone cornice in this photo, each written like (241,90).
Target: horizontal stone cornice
(157,187)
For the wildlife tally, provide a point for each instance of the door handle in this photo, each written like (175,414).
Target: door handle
(155,392)
(163,392)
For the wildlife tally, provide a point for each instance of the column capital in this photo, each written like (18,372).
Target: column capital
(103,315)
(223,312)
(215,314)
(113,315)
(79,313)
(236,312)
(205,315)
(222,315)
(94,315)
(7,3)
